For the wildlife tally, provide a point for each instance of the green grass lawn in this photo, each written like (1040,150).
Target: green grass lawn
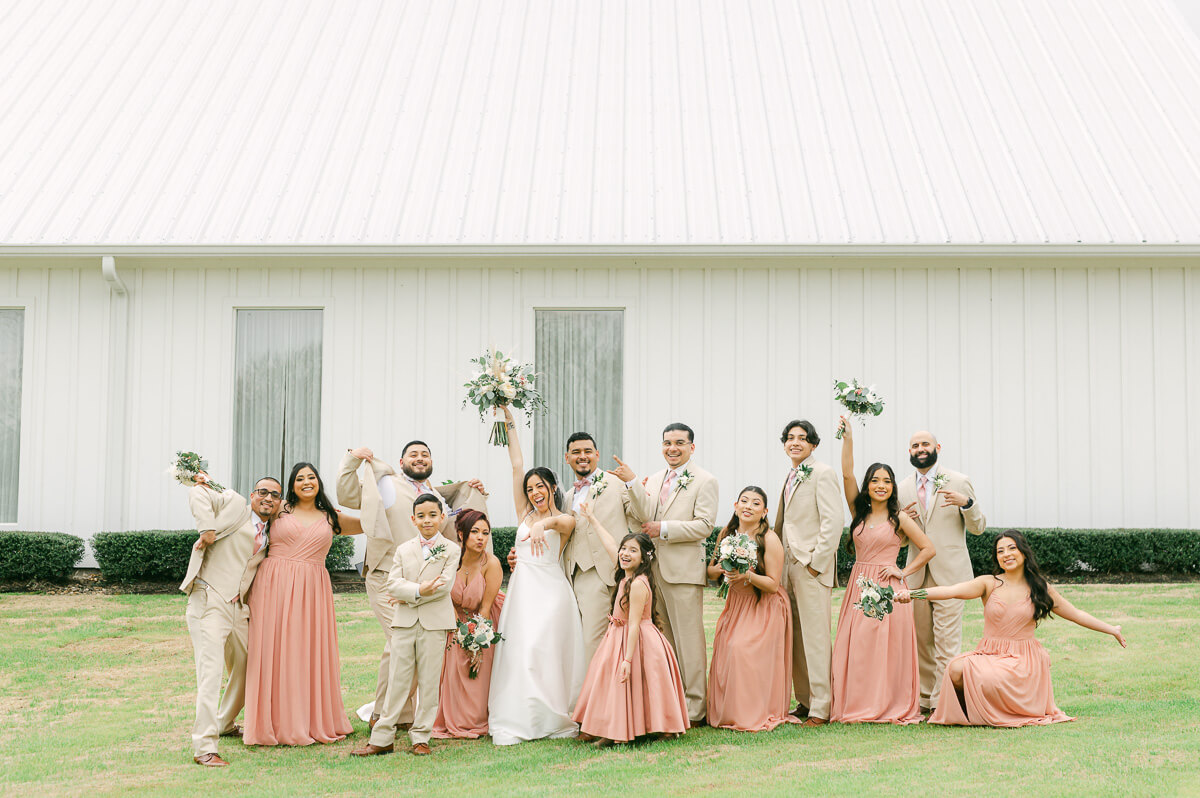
(96,696)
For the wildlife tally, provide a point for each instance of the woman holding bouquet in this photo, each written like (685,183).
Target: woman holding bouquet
(463,703)
(750,681)
(1005,681)
(633,687)
(539,665)
(293,675)
(875,678)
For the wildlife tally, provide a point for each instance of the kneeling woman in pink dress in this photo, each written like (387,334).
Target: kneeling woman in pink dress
(633,687)
(1005,681)
(875,677)
(463,702)
(750,681)
(293,674)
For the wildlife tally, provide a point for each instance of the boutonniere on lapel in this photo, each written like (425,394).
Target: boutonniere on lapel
(435,552)
(803,472)
(684,480)
(598,485)
(940,481)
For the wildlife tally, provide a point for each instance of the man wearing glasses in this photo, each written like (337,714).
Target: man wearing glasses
(233,541)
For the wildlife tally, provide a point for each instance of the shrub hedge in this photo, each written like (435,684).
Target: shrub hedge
(161,555)
(38,555)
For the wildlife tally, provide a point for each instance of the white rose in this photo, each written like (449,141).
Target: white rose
(508,390)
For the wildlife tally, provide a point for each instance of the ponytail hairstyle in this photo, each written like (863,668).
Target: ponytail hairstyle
(464,522)
(547,476)
(624,583)
(1039,588)
(759,535)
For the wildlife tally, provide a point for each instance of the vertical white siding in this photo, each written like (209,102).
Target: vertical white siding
(1062,387)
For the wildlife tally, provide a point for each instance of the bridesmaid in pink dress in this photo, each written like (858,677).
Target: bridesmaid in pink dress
(293,675)
(1005,681)
(875,678)
(463,702)
(750,681)
(633,687)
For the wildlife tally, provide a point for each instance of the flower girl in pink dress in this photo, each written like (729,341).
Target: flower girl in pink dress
(633,687)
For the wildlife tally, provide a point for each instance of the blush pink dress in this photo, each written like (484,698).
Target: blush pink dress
(1006,679)
(750,680)
(875,677)
(651,701)
(293,674)
(463,701)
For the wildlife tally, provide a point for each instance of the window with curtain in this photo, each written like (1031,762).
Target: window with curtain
(277,402)
(581,355)
(12,350)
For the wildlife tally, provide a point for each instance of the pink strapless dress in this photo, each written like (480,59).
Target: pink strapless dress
(750,680)
(293,674)
(463,701)
(651,701)
(875,677)
(1006,679)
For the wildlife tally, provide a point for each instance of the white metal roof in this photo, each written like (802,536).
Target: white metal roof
(591,122)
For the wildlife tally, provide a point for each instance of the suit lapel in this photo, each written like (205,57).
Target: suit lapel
(930,503)
(675,489)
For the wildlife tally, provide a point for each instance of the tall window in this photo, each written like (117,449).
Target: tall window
(277,404)
(581,354)
(12,350)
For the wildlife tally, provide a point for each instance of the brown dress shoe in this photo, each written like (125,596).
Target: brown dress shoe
(814,722)
(236,731)
(800,712)
(210,761)
(371,723)
(371,750)
(421,749)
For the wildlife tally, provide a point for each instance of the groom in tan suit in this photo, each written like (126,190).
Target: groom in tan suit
(677,507)
(809,523)
(943,503)
(386,501)
(233,540)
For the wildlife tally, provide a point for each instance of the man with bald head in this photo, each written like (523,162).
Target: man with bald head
(943,503)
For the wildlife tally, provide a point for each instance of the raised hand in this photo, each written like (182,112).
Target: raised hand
(512,558)
(847,430)
(207,538)
(477,485)
(622,471)
(902,597)
(586,510)
(363,453)
(428,587)
(913,512)
(953,499)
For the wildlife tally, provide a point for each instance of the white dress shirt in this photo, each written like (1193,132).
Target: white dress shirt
(387,491)
(578,496)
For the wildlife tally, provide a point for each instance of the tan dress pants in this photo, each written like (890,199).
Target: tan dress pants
(812,643)
(417,653)
(595,603)
(377,598)
(218,629)
(681,611)
(939,640)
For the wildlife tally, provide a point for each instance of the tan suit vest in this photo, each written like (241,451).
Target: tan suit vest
(584,549)
(946,528)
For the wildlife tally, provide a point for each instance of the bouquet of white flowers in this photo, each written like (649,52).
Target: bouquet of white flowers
(473,636)
(874,600)
(501,382)
(858,399)
(737,553)
(186,466)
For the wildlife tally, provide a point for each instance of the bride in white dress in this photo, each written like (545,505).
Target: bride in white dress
(539,666)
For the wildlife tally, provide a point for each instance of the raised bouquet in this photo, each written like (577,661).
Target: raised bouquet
(736,553)
(186,465)
(858,399)
(499,382)
(473,636)
(874,600)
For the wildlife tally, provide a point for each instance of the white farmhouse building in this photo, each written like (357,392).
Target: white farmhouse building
(268,231)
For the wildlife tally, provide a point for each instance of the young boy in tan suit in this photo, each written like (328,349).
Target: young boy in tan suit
(420,581)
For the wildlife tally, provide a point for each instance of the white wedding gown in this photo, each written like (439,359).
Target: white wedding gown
(539,666)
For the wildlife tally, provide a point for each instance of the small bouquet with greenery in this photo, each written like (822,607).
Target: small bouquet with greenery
(874,600)
(858,399)
(736,554)
(473,636)
(186,466)
(499,382)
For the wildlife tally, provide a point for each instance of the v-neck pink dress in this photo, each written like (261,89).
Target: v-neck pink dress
(293,674)
(463,701)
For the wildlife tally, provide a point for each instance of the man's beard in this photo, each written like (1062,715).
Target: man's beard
(923,459)
(417,476)
(579,472)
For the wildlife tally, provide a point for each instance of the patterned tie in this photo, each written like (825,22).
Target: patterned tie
(665,493)
(259,526)
(791,485)
(921,492)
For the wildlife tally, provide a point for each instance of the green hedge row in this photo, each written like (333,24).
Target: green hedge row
(38,555)
(161,555)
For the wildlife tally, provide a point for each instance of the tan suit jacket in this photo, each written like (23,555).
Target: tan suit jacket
(945,527)
(692,512)
(810,522)
(386,529)
(409,570)
(224,564)
(584,549)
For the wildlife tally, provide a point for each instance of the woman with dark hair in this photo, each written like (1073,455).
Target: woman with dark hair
(633,688)
(293,675)
(875,676)
(539,665)
(463,706)
(1005,681)
(750,678)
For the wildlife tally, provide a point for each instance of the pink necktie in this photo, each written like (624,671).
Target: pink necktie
(258,536)
(791,485)
(665,493)
(921,494)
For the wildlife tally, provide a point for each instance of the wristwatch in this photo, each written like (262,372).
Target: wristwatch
(970,503)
